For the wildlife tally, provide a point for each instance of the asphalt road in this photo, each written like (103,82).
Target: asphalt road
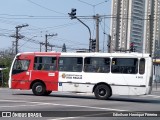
(71,106)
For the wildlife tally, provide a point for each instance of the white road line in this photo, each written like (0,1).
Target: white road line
(90,115)
(11,101)
(65,118)
(18,106)
(65,105)
(98,108)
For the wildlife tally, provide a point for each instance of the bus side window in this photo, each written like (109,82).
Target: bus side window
(39,67)
(142,66)
(45,63)
(124,65)
(70,64)
(97,64)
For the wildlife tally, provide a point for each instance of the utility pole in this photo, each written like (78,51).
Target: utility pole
(73,16)
(109,43)
(18,36)
(41,43)
(97,32)
(46,40)
(13,47)
(51,46)
(150,36)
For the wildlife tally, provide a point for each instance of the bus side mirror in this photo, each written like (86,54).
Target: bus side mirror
(18,56)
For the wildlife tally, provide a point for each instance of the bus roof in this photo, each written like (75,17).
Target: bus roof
(87,54)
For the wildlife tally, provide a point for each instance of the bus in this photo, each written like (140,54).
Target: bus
(104,74)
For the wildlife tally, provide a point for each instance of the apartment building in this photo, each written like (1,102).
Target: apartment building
(137,22)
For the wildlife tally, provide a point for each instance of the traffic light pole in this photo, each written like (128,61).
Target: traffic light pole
(97,32)
(89,32)
(73,16)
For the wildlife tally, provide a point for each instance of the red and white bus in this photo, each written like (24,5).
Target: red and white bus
(104,74)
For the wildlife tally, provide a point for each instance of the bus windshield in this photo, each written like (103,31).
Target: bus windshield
(20,66)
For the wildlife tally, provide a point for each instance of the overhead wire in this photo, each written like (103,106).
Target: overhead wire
(64,25)
(55,27)
(45,7)
(73,43)
(2,29)
(81,17)
(38,42)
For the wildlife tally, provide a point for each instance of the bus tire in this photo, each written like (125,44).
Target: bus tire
(38,89)
(102,92)
(47,93)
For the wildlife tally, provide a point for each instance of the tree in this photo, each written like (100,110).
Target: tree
(64,48)
(5,60)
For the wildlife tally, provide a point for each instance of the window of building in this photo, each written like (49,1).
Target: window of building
(124,65)
(97,64)
(70,64)
(45,63)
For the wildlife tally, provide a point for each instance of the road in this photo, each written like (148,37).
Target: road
(71,106)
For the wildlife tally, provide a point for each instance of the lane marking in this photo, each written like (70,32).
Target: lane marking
(90,115)
(64,105)
(11,101)
(18,106)
(99,108)
(65,118)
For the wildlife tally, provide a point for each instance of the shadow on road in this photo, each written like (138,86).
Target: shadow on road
(114,98)
(136,100)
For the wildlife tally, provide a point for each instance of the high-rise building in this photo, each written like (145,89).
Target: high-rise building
(152,28)
(127,24)
(135,22)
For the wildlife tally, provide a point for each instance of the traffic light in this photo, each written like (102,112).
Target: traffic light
(132,49)
(73,13)
(93,44)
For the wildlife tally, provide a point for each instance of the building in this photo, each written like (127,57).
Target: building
(152,28)
(137,22)
(127,24)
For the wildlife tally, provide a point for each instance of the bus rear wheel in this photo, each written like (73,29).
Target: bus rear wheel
(102,92)
(38,89)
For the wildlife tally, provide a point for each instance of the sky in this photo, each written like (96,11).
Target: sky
(51,17)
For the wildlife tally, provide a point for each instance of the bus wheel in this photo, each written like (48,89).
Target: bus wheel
(102,92)
(47,93)
(38,88)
